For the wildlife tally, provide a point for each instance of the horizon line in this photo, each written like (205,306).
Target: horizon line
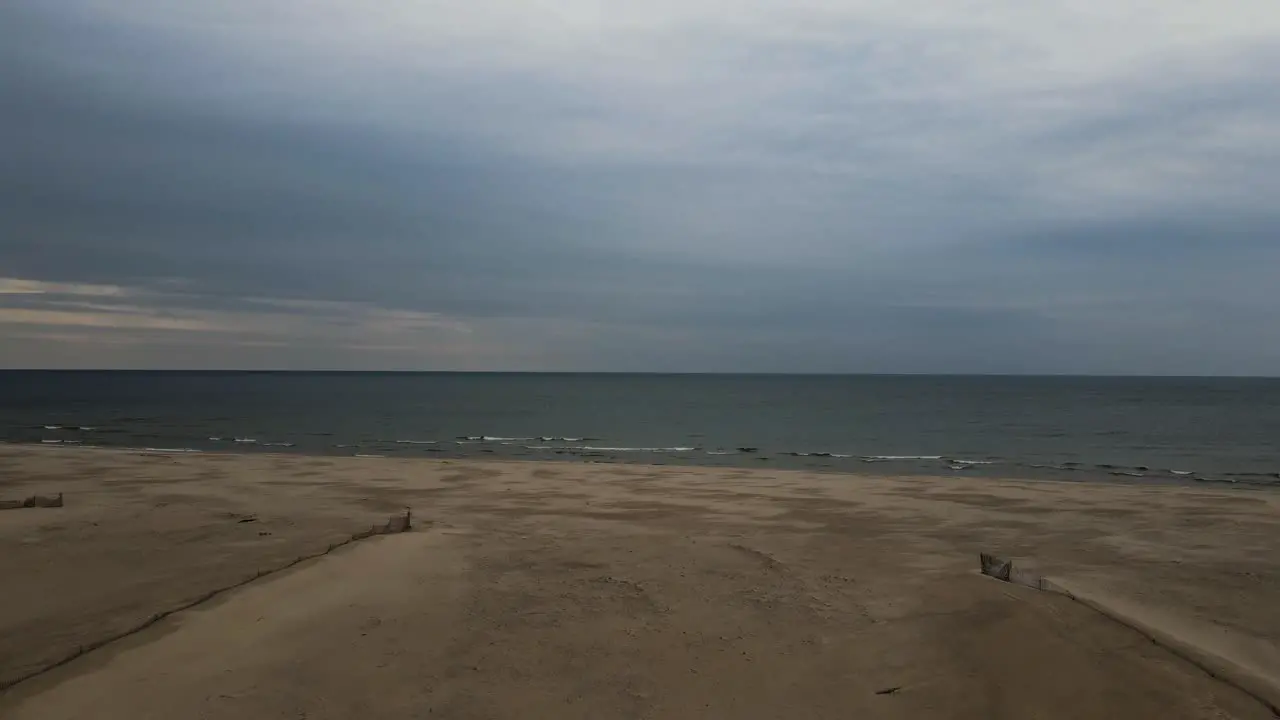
(282,371)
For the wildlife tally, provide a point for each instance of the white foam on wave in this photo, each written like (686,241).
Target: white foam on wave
(415,442)
(632,449)
(51,442)
(216,439)
(891,458)
(278,444)
(52,427)
(511,440)
(721,452)
(246,440)
(85,428)
(958,461)
(593,448)
(171,450)
(364,455)
(1183,472)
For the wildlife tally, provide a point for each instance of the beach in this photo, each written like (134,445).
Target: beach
(587,590)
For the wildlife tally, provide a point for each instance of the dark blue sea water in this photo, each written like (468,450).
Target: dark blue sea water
(1129,429)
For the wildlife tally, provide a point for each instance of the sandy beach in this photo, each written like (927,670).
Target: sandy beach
(549,590)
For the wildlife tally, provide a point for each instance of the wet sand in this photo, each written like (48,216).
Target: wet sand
(545,590)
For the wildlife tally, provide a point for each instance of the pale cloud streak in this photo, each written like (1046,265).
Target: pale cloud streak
(19,286)
(70,315)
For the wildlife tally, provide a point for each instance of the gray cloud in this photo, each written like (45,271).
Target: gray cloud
(820,187)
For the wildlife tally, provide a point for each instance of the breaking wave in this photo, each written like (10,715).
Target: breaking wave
(594,448)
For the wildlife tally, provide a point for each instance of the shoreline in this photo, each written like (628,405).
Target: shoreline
(852,465)
(670,581)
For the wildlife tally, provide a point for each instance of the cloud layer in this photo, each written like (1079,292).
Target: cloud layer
(820,186)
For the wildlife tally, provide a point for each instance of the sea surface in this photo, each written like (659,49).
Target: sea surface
(1081,428)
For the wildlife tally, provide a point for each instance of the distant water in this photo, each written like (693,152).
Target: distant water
(1129,429)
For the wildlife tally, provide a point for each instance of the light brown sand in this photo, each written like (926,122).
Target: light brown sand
(584,590)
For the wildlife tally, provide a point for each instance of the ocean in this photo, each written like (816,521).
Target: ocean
(1072,428)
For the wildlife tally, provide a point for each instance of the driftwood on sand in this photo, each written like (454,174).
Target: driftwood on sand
(397,524)
(35,501)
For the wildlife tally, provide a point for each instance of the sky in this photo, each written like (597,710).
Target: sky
(1000,186)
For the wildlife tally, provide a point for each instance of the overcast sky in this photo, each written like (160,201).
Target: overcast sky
(1046,186)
